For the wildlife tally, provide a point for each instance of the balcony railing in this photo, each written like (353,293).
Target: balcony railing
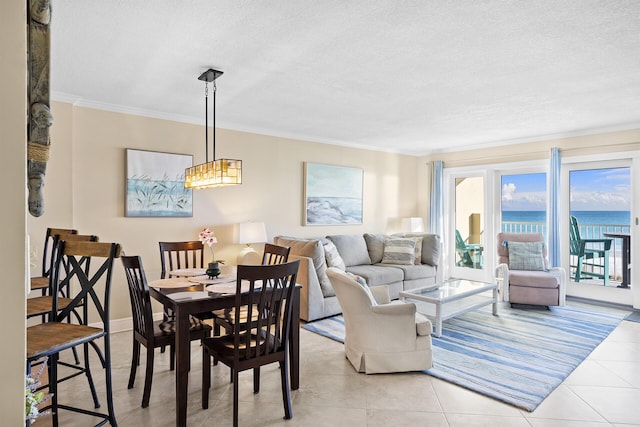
(587,231)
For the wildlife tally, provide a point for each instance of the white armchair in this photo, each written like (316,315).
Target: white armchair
(381,336)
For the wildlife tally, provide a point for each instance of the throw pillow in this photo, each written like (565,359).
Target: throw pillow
(332,256)
(526,256)
(399,250)
(352,249)
(375,246)
(430,247)
(359,280)
(313,249)
(418,252)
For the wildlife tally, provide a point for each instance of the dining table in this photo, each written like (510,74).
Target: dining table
(192,294)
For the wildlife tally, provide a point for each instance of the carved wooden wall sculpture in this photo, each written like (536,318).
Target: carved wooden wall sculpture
(40,118)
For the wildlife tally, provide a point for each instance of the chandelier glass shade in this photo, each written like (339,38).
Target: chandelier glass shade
(217,172)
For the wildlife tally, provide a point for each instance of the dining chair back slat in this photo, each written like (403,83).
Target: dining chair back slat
(176,255)
(275,254)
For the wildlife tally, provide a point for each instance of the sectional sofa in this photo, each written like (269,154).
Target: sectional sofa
(376,259)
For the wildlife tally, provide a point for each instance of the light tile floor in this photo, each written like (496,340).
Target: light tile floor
(603,391)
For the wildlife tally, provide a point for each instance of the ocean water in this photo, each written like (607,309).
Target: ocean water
(584,217)
(592,223)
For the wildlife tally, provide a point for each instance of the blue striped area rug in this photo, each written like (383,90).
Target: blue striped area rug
(518,357)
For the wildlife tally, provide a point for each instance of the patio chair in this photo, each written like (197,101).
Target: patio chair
(470,254)
(589,257)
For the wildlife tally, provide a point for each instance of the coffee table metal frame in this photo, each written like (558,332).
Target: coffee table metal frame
(451,298)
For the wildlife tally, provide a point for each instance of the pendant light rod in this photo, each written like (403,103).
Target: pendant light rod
(214,120)
(206,124)
(209,76)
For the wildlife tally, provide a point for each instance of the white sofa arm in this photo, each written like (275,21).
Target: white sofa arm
(390,327)
(561,274)
(397,309)
(502,277)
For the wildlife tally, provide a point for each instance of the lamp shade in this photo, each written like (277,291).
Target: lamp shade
(412,225)
(252,232)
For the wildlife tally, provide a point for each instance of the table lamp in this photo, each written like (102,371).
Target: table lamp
(248,233)
(412,225)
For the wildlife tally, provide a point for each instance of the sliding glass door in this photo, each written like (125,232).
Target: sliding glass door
(600,210)
(599,195)
(465,217)
(524,203)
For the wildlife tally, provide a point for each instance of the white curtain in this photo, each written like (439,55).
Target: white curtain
(554,208)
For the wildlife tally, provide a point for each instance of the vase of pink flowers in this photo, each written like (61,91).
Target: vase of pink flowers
(207,238)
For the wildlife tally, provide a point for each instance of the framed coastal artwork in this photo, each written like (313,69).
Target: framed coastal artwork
(332,194)
(155,184)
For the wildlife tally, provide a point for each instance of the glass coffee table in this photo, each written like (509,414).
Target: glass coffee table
(451,298)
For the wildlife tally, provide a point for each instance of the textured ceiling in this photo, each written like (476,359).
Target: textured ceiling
(415,77)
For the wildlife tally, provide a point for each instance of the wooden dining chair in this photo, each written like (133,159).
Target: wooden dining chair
(41,283)
(47,340)
(41,305)
(148,333)
(175,255)
(224,318)
(269,306)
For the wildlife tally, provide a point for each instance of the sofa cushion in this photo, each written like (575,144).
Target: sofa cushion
(352,249)
(526,256)
(399,250)
(313,249)
(375,246)
(532,279)
(413,272)
(430,247)
(378,274)
(332,256)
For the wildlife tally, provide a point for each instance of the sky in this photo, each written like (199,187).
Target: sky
(590,190)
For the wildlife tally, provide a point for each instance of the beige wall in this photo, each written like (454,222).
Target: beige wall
(12,187)
(570,146)
(86,179)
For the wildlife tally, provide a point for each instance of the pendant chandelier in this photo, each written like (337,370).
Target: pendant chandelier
(214,173)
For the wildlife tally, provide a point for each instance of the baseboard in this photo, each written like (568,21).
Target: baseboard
(125,324)
(600,303)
